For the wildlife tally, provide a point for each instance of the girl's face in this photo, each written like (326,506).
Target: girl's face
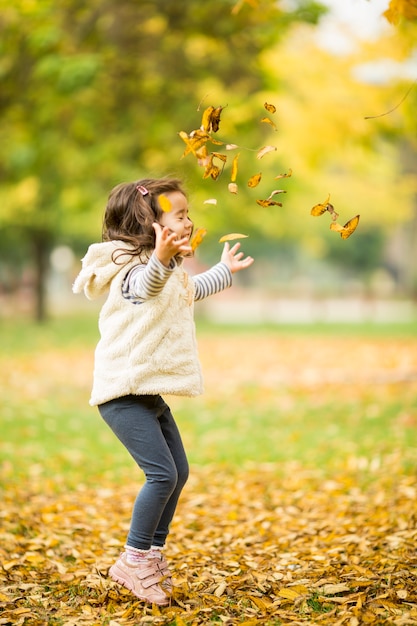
(177,219)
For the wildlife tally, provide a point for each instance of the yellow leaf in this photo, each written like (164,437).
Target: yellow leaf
(346,230)
(319,209)
(268,202)
(234,169)
(254,180)
(270,107)
(266,120)
(331,589)
(206,118)
(288,593)
(210,201)
(210,120)
(164,203)
(232,237)
(287,175)
(264,151)
(232,187)
(197,238)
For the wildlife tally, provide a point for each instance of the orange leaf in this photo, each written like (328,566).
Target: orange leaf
(197,238)
(164,203)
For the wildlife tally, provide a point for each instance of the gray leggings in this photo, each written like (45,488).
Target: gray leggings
(146,427)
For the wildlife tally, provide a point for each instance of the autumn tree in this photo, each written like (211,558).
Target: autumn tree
(95,93)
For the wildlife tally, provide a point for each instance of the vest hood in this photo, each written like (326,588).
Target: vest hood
(99,268)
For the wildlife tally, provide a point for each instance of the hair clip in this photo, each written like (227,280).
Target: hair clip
(142,190)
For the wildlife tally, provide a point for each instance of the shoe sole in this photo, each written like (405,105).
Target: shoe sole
(125,583)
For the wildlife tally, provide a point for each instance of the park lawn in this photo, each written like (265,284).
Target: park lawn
(301,501)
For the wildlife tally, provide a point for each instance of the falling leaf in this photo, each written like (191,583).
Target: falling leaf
(210,120)
(268,202)
(255,180)
(194,141)
(232,187)
(232,237)
(212,170)
(346,230)
(164,203)
(266,120)
(264,151)
(206,119)
(215,119)
(287,175)
(210,201)
(234,169)
(275,192)
(270,107)
(322,207)
(197,238)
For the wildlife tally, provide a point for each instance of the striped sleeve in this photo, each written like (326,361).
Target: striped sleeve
(214,280)
(144,282)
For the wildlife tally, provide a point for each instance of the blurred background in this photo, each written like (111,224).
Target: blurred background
(93,94)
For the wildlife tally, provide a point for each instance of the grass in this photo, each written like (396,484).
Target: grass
(303,450)
(257,407)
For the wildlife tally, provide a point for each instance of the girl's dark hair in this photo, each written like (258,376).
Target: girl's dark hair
(129,214)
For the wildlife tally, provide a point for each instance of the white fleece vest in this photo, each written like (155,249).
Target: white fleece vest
(147,348)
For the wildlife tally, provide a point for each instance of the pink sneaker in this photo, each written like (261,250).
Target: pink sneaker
(142,579)
(165,579)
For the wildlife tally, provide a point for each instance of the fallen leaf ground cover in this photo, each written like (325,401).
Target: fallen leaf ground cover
(300,508)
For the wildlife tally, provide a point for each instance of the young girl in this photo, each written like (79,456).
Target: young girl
(147,348)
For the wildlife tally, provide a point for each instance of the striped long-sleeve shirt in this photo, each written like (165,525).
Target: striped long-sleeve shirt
(147,281)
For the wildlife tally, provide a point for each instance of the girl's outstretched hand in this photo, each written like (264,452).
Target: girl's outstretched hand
(234,259)
(168,244)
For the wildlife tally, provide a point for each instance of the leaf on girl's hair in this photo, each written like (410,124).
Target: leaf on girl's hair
(233,175)
(264,151)
(232,237)
(210,201)
(232,187)
(266,120)
(255,180)
(286,175)
(322,207)
(197,238)
(164,203)
(346,230)
(270,107)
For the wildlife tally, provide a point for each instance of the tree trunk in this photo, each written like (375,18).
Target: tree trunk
(41,243)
